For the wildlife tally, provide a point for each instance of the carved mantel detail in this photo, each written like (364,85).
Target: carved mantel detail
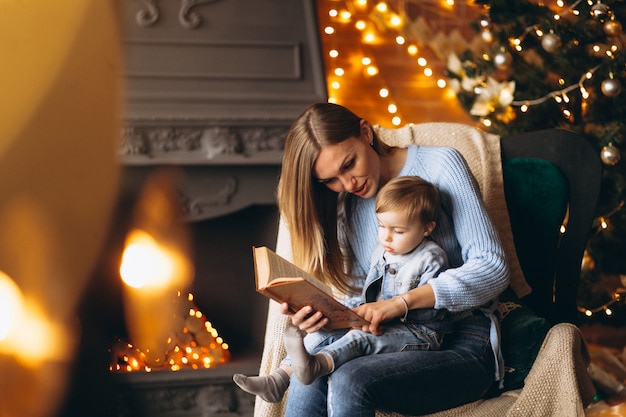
(188,18)
(224,168)
(202,144)
(193,207)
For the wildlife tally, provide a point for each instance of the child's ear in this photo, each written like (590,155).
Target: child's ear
(429,227)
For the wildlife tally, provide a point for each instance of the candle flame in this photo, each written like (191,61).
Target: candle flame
(145,263)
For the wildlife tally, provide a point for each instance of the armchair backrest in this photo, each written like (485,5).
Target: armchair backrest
(551,177)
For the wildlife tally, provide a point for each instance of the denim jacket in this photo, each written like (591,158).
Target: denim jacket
(406,272)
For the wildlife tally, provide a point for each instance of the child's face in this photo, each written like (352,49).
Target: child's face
(398,234)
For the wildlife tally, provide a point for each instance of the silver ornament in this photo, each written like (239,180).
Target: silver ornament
(502,60)
(611,87)
(487,36)
(610,155)
(550,42)
(600,11)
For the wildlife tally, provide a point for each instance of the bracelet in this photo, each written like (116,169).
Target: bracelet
(406,308)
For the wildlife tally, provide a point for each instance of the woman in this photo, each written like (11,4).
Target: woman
(333,166)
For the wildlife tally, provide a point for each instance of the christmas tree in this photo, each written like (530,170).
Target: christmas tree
(555,65)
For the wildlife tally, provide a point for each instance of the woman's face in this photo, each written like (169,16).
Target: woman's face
(350,166)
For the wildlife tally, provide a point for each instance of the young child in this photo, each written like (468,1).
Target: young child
(407,209)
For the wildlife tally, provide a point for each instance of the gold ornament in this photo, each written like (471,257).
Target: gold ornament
(612,28)
(610,155)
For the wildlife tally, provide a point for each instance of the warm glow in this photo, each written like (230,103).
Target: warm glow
(194,343)
(11,304)
(26,331)
(369,37)
(371,70)
(395,21)
(145,263)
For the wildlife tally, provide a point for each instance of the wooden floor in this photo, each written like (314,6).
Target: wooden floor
(416,95)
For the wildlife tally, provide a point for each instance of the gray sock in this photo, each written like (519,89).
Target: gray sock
(307,367)
(270,388)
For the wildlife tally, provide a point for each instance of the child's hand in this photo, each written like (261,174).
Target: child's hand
(377,313)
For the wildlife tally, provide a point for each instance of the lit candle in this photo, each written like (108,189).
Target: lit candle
(155,268)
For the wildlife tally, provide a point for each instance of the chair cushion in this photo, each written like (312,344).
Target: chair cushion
(522,332)
(537,196)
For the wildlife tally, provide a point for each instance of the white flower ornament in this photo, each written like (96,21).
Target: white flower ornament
(465,83)
(492,96)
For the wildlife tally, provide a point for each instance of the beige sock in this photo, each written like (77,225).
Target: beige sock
(307,367)
(270,388)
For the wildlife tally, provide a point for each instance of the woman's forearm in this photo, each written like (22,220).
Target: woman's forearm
(420,297)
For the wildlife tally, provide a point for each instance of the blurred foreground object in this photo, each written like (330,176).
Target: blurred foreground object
(59,123)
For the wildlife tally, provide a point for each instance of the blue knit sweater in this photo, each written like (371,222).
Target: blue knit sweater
(478,272)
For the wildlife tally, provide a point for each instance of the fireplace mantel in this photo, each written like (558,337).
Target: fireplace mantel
(224,168)
(211,88)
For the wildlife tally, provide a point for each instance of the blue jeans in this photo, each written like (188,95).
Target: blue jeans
(396,337)
(410,382)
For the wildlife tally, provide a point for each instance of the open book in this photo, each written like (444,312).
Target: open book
(282,281)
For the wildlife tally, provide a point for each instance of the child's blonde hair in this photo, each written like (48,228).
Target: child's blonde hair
(413,195)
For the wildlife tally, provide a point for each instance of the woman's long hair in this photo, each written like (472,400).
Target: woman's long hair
(308,207)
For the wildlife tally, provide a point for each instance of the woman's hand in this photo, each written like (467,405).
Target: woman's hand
(305,319)
(379,312)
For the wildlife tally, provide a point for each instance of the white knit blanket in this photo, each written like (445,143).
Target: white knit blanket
(553,387)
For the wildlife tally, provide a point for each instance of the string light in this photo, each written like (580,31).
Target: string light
(617,296)
(196,345)
(371,20)
(558,95)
